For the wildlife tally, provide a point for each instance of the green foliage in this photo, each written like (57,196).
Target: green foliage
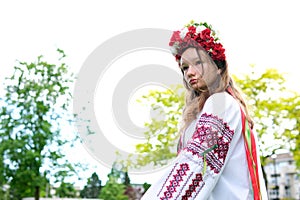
(113,191)
(160,145)
(92,188)
(275,110)
(36,99)
(4,193)
(118,186)
(66,190)
(126,179)
(114,188)
(146,186)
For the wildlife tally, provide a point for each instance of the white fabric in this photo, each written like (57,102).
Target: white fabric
(214,181)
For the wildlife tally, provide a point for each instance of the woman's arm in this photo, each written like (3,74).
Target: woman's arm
(196,170)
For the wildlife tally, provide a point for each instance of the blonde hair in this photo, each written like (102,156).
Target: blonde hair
(195,100)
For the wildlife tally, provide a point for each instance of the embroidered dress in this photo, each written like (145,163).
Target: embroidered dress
(212,162)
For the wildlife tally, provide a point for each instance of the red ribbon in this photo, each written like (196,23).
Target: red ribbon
(251,153)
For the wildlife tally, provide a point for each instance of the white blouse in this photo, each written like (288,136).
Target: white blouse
(212,164)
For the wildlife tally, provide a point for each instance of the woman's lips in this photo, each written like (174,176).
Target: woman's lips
(193,81)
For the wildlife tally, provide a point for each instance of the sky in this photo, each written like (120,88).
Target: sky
(263,33)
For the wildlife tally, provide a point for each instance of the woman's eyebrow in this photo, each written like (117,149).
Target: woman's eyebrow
(185,61)
(193,60)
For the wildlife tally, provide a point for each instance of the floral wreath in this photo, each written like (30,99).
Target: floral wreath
(197,35)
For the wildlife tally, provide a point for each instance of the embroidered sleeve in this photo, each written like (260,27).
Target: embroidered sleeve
(210,142)
(199,165)
(201,161)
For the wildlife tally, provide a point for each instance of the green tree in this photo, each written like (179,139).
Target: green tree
(114,189)
(66,190)
(270,104)
(92,188)
(126,179)
(32,111)
(146,186)
(4,193)
(161,135)
(275,110)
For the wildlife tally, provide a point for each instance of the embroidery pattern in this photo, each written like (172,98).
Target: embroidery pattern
(175,182)
(211,141)
(196,182)
(167,178)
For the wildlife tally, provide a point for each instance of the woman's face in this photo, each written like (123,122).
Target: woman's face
(198,70)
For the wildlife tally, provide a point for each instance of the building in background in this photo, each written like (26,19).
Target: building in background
(283,178)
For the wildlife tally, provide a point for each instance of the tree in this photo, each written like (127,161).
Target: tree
(126,179)
(34,106)
(114,189)
(161,135)
(275,110)
(66,190)
(146,186)
(92,188)
(271,105)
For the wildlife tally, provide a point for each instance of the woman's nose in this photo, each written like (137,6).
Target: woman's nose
(191,71)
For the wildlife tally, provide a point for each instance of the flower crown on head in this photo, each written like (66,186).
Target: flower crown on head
(197,35)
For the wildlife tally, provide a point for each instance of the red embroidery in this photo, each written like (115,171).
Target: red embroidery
(196,182)
(175,182)
(211,140)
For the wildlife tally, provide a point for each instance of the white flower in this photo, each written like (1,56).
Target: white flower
(200,28)
(174,48)
(183,32)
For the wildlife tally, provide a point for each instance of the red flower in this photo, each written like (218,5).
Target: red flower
(192,29)
(175,37)
(194,39)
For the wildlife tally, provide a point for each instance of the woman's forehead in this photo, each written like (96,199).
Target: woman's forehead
(191,55)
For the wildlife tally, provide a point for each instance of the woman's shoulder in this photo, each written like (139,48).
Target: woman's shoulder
(220,103)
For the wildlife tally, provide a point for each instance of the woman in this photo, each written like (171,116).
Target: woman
(217,152)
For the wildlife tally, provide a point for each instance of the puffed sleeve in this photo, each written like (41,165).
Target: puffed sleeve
(197,168)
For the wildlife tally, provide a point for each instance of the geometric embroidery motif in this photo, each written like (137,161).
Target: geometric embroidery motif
(174,183)
(211,141)
(193,186)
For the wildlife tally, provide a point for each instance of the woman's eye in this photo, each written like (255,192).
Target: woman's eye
(184,68)
(198,62)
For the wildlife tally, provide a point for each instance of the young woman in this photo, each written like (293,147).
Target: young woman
(217,152)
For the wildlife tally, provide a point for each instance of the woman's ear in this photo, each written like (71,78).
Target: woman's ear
(219,71)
